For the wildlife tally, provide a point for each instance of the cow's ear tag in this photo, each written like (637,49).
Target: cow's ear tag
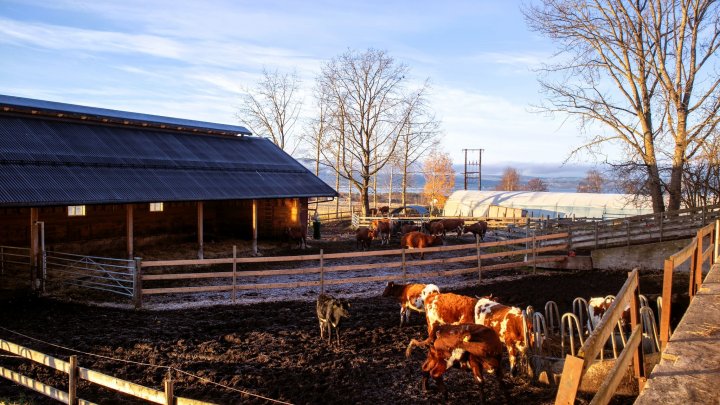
(466,339)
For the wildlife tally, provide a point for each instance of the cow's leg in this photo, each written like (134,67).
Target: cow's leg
(322,330)
(512,356)
(402,315)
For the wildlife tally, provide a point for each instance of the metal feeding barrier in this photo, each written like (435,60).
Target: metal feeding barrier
(115,276)
(12,257)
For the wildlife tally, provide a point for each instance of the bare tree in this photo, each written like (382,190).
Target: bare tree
(510,180)
(592,183)
(419,136)
(701,178)
(536,184)
(271,109)
(365,97)
(636,67)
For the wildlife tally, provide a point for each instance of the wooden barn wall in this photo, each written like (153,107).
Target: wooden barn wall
(222,219)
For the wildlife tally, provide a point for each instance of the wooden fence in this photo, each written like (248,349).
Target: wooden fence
(534,247)
(698,255)
(76,373)
(576,366)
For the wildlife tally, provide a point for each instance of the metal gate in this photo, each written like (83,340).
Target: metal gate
(115,276)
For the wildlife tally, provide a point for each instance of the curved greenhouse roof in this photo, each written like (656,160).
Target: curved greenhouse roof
(556,205)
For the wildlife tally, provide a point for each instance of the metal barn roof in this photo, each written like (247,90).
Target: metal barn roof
(49,161)
(581,205)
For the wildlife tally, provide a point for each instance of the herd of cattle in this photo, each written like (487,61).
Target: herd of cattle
(413,236)
(464,332)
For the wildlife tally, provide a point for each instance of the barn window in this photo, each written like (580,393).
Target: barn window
(76,210)
(294,211)
(156,207)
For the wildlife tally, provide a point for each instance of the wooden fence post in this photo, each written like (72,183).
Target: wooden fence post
(137,284)
(234,267)
(534,253)
(477,249)
(717,239)
(322,273)
(73,381)
(662,226)
(169,394)
(597,237)
(638,356)
(404,268)
(2,260)
(666,302)
(696,279)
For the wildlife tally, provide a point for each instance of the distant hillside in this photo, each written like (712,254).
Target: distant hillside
(555,177)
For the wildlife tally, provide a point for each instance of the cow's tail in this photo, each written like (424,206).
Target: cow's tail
(413,343)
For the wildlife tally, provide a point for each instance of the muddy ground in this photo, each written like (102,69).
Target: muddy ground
(273,349)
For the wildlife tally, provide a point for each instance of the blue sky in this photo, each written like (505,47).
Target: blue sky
(193,59)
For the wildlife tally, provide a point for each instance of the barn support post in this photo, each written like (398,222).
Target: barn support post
(43,256)
(322,272)
(169,391)
(33,248)
(2,260)
(200,235)
(129,230)
(234,290)
(73,381)
(254,227)
(137,284)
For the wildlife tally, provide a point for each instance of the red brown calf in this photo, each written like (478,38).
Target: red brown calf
(467,346)
(297,235)
(453,225)
(382,227)
(419,240)
(410,296)
(363,237)
(477,229)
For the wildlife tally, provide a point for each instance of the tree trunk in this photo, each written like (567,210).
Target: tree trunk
(365,195)
(655,188)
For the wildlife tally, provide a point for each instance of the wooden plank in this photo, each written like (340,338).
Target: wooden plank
(669,266)
(35,356)
(569,380)
(609,386)
(126,387)
(179,290)
(34,385)
(590,350)
(188,401)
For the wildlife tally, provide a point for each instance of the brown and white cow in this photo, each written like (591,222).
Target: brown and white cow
(410,296)
(448,308)
(508,323)
(477,229)
(467,346)
(297,235)
(382,228)
(597,306)
(363,237)
(434,227)
(419,240)
(453,225)
(330,312)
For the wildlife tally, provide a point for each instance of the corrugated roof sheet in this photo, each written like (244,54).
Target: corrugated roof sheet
(22,104)
(46,161)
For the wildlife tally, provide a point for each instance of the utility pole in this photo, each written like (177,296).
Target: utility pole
(476,168)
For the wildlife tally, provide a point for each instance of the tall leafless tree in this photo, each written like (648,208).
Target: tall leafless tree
(536,184)
(272,107)
(365,95)
(645,71)
(592,183)
(509,181)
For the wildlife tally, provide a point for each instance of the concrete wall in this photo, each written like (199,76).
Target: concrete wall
(647,257)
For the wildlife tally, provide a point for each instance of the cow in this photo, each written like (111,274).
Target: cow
(329,312)
(296,234)
(384,210)
(410,296)
(448,308)
(597,307)
(453,225)
(407,228)
(434,227)
(477,229)
(468,346)
(364,236)
(382,227)
(508,323)
(419,240)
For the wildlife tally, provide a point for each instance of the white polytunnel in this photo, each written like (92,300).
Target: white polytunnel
(543,204)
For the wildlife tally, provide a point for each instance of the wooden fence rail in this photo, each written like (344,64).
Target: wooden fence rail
(535,246)
(76,373)
(576,366)
(697,256)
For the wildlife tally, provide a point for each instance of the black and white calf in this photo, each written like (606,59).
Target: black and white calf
(329,312)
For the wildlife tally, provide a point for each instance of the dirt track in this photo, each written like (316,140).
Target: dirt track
(273,349)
